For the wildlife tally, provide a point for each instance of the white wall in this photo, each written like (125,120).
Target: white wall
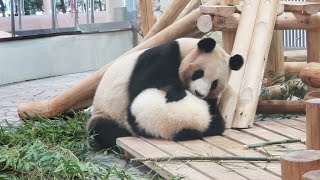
(43,57)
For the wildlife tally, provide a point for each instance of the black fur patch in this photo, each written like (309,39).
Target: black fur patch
(105,132)
(236,62)
(187,134)
(207,44)
(175,94)
(157,67)
(217,124)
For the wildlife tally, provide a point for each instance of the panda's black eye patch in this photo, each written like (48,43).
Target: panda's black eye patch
(214,85)
(197,74)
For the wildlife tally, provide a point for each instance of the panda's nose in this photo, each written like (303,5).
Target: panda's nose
(198,94)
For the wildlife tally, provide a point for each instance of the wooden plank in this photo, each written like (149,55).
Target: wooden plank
(292,123)
(246,169)
(139,148)
(237,149)
(282,129)
(211,169)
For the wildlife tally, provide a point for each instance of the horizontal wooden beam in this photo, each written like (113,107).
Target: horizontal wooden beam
(284,21)
(301,7)
(224,11)
(281,107)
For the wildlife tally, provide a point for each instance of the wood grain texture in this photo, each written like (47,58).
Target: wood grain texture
(313,124)
(259,47)
(310,74)
(295,164)
(146,15)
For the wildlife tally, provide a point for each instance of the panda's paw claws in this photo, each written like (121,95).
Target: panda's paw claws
(175,95)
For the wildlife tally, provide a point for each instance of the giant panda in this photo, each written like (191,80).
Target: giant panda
(184,64)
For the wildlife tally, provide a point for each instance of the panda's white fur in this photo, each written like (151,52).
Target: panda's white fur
(164,120)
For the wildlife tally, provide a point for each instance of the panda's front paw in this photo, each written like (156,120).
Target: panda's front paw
(175,94)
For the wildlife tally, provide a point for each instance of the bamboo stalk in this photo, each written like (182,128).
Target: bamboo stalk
(271,143)
(206,158)
(259,48)
(241,46)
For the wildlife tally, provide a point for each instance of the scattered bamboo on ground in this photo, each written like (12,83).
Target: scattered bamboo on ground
(271,143)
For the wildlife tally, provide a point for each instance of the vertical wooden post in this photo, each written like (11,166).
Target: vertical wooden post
(259,49)
(313,42)
(146,15)
(313,123)
(229,98)
(228,36)
(275,62)
(295,164)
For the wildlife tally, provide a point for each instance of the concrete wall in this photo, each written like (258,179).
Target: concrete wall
(51,56)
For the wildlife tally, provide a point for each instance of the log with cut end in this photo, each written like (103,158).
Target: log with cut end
(310,74)
(295,164)
(259,47)
(281,107)
(204,23)
(241,46)
(169,16)
(312,175)
(293,68)
(81,94)
(313,123)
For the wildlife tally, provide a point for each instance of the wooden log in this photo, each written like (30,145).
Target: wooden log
(312,95)
(204,23)
(78,95)
(193,4)
(259,48)
(168,17)
(312,175)
(301,7)
(228,37)
(313,123)
(281,107)
(286,20)
(241,46)
(146,15)
(275,62)
(310,74)
(313,42)
(224,11)
(293,68)
(295,164)
(295,56)
(229,2)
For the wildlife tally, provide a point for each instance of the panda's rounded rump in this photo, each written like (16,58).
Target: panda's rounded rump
(161,119)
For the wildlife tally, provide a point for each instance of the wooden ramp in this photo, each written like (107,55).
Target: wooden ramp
(230,144)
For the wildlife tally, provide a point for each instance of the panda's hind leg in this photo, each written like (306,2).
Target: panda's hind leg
(187,134)
(105,132)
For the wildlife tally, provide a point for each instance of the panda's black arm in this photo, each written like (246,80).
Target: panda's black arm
(217,124)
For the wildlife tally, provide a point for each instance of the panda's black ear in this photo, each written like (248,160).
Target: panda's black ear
(236,62)
(206,44)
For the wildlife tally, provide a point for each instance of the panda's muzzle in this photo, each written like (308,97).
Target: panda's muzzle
(198,94)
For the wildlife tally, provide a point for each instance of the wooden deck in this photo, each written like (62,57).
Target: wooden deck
(230,144)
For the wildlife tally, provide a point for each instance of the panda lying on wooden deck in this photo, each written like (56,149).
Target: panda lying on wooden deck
(167,92)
